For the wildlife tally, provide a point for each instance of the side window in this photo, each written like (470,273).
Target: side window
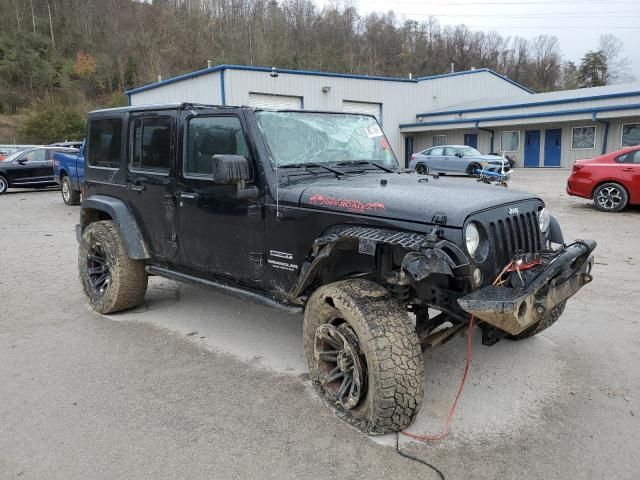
(104,145)
(436,152)
(209,136)
(35,156)
(151,144)
(631,157)
(450,152)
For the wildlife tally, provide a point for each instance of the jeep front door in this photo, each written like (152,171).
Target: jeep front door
(149,181)
(218,232)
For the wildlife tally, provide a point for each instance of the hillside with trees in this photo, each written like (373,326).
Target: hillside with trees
(68,56)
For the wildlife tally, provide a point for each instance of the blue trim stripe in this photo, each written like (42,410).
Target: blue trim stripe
(592,111)
(220,68)
(531,104)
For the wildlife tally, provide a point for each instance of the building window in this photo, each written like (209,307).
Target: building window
(630,134)
(583,138)
(510,141)
(439,140)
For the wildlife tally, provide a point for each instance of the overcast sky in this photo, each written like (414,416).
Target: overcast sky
(576,23)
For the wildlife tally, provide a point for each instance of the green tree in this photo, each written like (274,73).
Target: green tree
(50,122)
(593,71)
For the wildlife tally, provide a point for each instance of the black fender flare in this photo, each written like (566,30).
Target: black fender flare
(555,232)
(122,218)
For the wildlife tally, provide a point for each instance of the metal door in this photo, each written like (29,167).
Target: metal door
(532,148)
(552,147)
(471,140)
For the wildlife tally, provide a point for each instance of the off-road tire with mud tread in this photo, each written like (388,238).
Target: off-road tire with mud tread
(394,361)
(548,320)
(74,195)
(129,279)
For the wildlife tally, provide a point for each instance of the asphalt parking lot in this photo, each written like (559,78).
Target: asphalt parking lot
(195,384)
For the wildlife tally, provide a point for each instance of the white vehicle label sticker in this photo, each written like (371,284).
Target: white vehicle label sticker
(278,254)
(373,131)
(290,267)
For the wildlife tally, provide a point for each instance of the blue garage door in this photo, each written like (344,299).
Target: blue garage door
(552,147)
(532,148)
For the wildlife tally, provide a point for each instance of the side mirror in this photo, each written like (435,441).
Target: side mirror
(22,161)
(230,170)
(459,155)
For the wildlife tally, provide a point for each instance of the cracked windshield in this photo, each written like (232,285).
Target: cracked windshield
(324,138)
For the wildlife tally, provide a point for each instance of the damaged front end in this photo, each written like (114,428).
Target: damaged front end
(530,286)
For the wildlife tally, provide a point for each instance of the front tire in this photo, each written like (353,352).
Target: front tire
(110,279)
(4,185)
(471,169)
(364,356)
(610,197)
(69,195)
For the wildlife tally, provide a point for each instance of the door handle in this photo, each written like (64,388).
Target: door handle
(628,169)
(135,188)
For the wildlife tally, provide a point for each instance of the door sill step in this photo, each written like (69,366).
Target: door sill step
(224,288)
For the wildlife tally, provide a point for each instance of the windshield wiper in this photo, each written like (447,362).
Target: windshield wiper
(312,164)
(366,162)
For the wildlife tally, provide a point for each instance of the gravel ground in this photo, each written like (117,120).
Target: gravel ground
(195,384)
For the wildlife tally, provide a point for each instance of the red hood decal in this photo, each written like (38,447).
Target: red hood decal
(351,205)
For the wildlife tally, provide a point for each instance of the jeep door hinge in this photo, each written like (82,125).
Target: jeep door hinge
(172,240)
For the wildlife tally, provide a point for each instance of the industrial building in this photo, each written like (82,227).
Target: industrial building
(476,107)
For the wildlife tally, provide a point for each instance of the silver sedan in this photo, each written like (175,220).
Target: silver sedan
(456,159)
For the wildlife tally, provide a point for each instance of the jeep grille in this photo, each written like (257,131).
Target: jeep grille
(515,233)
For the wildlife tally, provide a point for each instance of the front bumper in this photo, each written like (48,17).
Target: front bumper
(515,308)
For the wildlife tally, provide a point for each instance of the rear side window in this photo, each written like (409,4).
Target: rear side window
(105,143)
(209,136)
(436,152)
(631,157)
(151,144)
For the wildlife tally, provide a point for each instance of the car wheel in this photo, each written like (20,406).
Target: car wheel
(549,319)
(110,279)
(610,197)
(364,356)
(69,195)
(4,185)
(422,169)
(471,169)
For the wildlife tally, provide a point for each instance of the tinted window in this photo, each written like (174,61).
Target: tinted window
(151,143)
(104,143)
(209,136)
(34,156)
(436,152)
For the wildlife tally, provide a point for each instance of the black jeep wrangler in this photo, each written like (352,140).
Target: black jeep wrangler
(310,211)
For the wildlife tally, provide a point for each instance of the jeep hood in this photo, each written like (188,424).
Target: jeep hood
(406,197)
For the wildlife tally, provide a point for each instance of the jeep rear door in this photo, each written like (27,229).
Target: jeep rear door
(217,232)
(150,185)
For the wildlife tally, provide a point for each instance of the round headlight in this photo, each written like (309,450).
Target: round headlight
(544,218)
(472,238)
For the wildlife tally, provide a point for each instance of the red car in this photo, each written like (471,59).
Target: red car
(611,180)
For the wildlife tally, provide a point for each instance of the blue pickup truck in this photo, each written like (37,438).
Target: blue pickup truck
(68,172)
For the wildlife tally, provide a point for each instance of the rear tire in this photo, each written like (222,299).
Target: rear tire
(356,329)
(4,185)
(422,169)
(610,197)
(548,320)
(69,195)
(110,279)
